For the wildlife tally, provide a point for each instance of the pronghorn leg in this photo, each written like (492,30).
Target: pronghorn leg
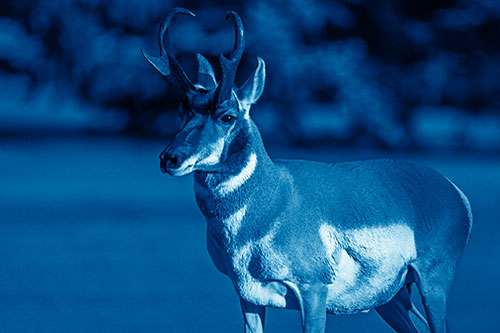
(434,300)
(254,317)
(313,308)
(397,313)
(434,288)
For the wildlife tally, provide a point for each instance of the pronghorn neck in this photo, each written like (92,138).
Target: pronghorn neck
(245,165)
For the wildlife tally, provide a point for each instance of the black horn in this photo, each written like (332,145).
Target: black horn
(229,65)
(167,64)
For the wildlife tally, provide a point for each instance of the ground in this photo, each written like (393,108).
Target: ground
(93,238)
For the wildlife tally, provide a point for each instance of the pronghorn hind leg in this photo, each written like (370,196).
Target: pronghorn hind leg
(435,303)
(434,288)
(254,317)
(398,313)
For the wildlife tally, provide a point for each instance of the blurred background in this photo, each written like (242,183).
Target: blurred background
(94,239)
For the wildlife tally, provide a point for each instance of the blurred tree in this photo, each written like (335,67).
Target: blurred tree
(338,71)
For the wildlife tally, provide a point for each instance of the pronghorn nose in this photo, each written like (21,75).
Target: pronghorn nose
(168,160)
(172,160)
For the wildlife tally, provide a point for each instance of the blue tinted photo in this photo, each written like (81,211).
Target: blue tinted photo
(266,166)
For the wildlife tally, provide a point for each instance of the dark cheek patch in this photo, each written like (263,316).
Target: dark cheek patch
(196,130)
(194,136)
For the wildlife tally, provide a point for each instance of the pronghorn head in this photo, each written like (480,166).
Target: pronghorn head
(212,112)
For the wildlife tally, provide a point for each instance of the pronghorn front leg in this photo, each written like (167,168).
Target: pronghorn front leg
(254,317)
(313,307)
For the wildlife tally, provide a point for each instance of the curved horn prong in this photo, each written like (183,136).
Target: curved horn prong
(239,36)
(167,63)
(166,49)
(165,23)
(229,65)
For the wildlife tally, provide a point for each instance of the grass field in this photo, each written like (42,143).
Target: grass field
(93,238)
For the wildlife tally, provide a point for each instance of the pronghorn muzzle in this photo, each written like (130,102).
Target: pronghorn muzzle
(167,161)
(174,162)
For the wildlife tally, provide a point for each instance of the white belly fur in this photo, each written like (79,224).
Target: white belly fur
(370,265)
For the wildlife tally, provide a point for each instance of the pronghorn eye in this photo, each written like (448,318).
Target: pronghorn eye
(227,119)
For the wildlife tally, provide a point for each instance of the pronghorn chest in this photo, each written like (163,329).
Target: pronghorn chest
(240,241)
(251,261)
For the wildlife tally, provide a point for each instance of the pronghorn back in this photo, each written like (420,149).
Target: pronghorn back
(383,192)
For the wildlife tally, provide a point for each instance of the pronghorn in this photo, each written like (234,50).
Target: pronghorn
(322,238)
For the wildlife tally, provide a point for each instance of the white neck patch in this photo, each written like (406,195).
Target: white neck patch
(233,222)
(232,184)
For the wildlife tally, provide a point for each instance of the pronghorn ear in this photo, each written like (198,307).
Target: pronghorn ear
(250,92)
(206,76)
